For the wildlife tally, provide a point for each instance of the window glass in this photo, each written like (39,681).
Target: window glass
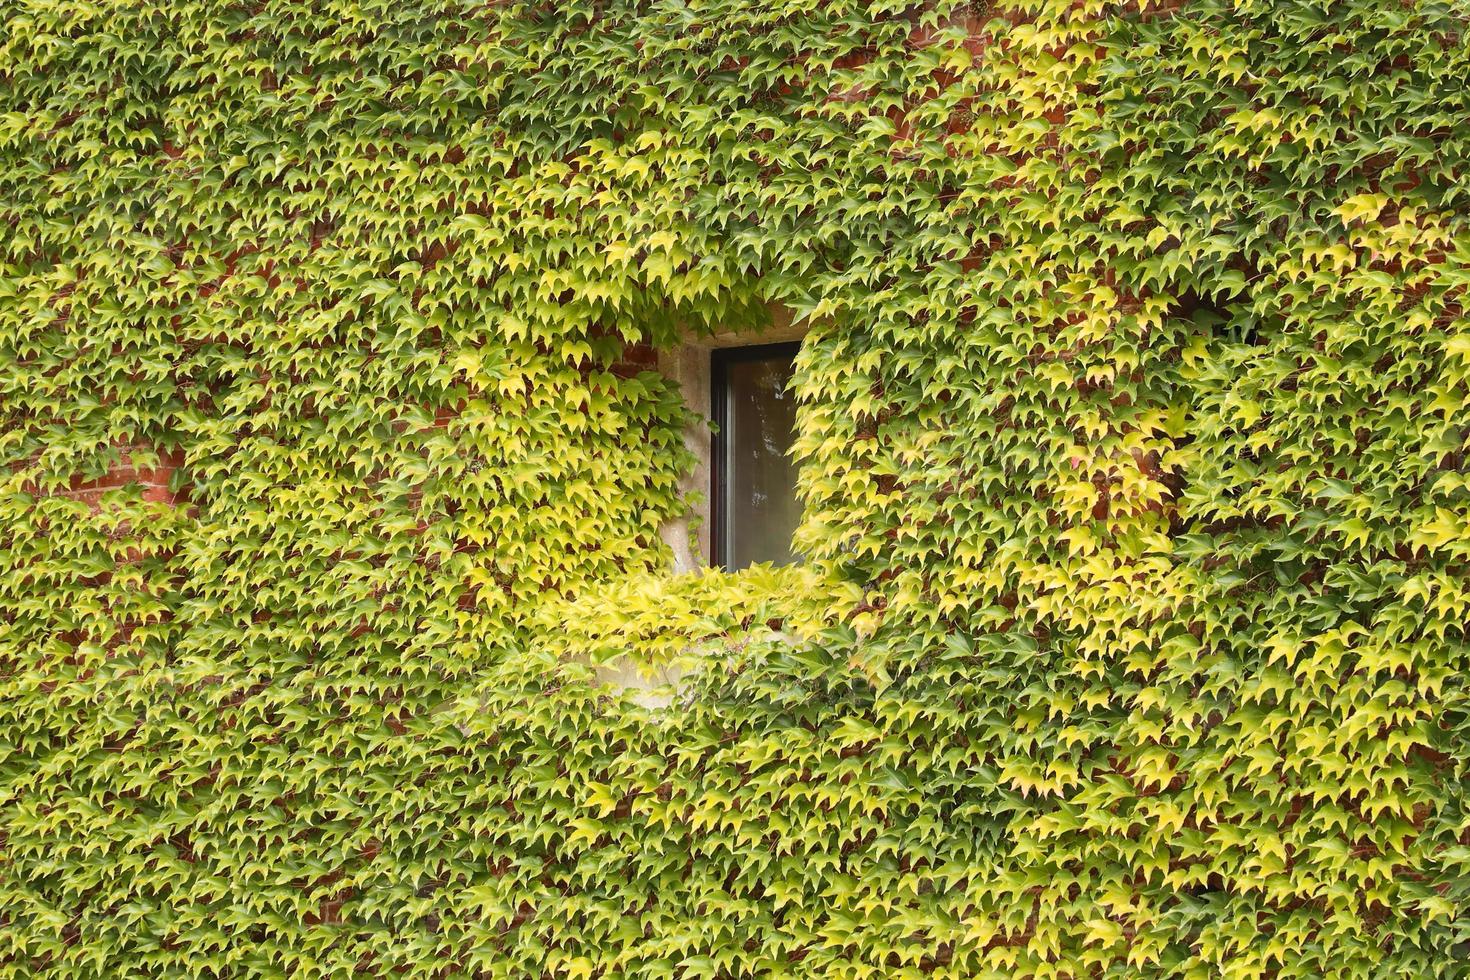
(758,508)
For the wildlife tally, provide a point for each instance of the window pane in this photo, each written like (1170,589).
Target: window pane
(760,509)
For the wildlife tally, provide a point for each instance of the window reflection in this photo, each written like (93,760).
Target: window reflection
(758,506)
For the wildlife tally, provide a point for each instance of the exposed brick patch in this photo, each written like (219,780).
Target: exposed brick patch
(154,480)
(636,358)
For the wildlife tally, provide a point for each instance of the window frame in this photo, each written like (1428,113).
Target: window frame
(721,358)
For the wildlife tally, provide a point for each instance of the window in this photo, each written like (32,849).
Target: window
(753,499)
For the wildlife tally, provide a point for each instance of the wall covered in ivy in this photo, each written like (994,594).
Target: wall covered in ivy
(1131,635)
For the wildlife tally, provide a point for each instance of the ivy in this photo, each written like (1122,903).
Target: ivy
(1130,635)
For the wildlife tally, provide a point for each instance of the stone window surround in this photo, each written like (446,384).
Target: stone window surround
(688,366)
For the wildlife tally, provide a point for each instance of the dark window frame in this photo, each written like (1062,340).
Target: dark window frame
(719,369)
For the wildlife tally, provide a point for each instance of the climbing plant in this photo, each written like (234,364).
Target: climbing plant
(1130,636)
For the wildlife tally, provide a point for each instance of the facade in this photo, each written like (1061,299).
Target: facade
(1085,595)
